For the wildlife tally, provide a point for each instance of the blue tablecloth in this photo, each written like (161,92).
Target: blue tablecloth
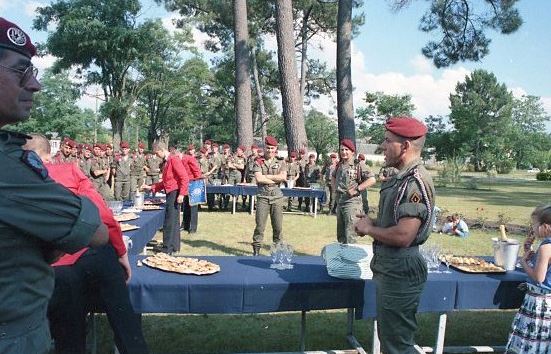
(248,285)
(252,190)
(149,222)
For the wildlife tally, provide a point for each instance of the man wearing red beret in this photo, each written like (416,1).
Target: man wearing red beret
(101,171)
(85,163)
(269,173)
(65,151)
(364,167)
(123,165)
(38,217)
(137,169)
(404,222)
(327,171)
(350,180)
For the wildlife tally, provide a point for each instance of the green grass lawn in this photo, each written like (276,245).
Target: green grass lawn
(221,233)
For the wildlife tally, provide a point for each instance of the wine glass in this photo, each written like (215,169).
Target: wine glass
(289,256)
(274,254)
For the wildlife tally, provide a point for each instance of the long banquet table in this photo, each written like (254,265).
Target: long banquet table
(248,285)
(149,222)
(318,195)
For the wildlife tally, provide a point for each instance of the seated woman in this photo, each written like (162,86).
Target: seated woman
(448,226)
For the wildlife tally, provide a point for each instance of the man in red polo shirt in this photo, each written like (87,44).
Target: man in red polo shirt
(190,213)
(175,183)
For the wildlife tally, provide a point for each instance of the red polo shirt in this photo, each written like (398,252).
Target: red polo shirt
(175,177)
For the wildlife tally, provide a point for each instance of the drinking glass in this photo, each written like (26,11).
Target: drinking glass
(288,253)
(274,252)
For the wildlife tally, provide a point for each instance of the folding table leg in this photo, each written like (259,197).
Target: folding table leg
(302,331)
(315,207)
(233,198)
(376,346)
(350,333)
(439,346)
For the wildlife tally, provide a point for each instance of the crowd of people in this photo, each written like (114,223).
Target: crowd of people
(56,225)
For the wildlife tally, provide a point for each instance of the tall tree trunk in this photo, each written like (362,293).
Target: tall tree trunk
(345,104)
(117,127)
(304,51)
(263,116)
(293,117)
(243,109)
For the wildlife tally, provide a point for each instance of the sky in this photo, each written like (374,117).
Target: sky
(386,55)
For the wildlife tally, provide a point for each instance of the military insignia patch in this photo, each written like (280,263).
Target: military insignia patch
(31,159)
(415,198)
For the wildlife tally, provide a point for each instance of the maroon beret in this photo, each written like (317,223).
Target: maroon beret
(141,145)
(70,143)
(333,156)
(254,146)
(12,37)
(203,151)
(108,146)
(241,147)
(190,147)
(97,145)
(361,157)
(104,146)
(302,151)
(214,145)
(208,142)
(311,156)
(406,127)
(124,145)
(349,144)
(226,146)
(270,140)
(293,154)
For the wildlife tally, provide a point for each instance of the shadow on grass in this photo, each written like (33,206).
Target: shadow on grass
(498,198)
(216,246)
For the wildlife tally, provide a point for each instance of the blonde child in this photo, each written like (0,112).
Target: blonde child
(531,332)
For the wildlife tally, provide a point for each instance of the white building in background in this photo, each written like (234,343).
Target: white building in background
(54,146)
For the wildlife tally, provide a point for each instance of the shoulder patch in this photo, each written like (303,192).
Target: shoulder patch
(31,159)
(415,198)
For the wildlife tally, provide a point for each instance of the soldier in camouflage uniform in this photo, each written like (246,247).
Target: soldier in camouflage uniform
(269,173)
(65,153)
(404,222)
(350,180)
(203,161)
(100,172)
(365,200)
(137,170)
(110,158)
(312,173)
(214,173)
(302,160)
(327,172)
(122,167)
(152,169)
(85,163)
(293,173)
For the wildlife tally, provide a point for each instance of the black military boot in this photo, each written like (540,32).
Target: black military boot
(256,250)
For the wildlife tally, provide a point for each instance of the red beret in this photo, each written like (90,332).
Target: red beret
(254,146)
(333,156)
(88,147)
(226,146)
(241,147)
(124,145)
(361,157)
(207,142)
(270,140)
(293,154)
(260,151)
(406,127)
(71,143)
(302,151)
(141,145)
(190,147)
(203,151)
(214,145)
(105,146)
(108,146)
(97,145)
(349,144)
(311,155)
(12,37)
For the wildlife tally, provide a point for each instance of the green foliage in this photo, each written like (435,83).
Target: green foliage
(462,24)
(322,132)
(481,115)
(450,174)
(55,110)
(543,176)
(379,108)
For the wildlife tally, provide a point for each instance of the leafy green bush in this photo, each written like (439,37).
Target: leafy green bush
(505,166)
(543,176)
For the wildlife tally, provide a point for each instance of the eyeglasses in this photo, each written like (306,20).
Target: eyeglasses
(26,74)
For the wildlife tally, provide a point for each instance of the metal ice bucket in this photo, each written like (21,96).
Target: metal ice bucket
(506,253)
